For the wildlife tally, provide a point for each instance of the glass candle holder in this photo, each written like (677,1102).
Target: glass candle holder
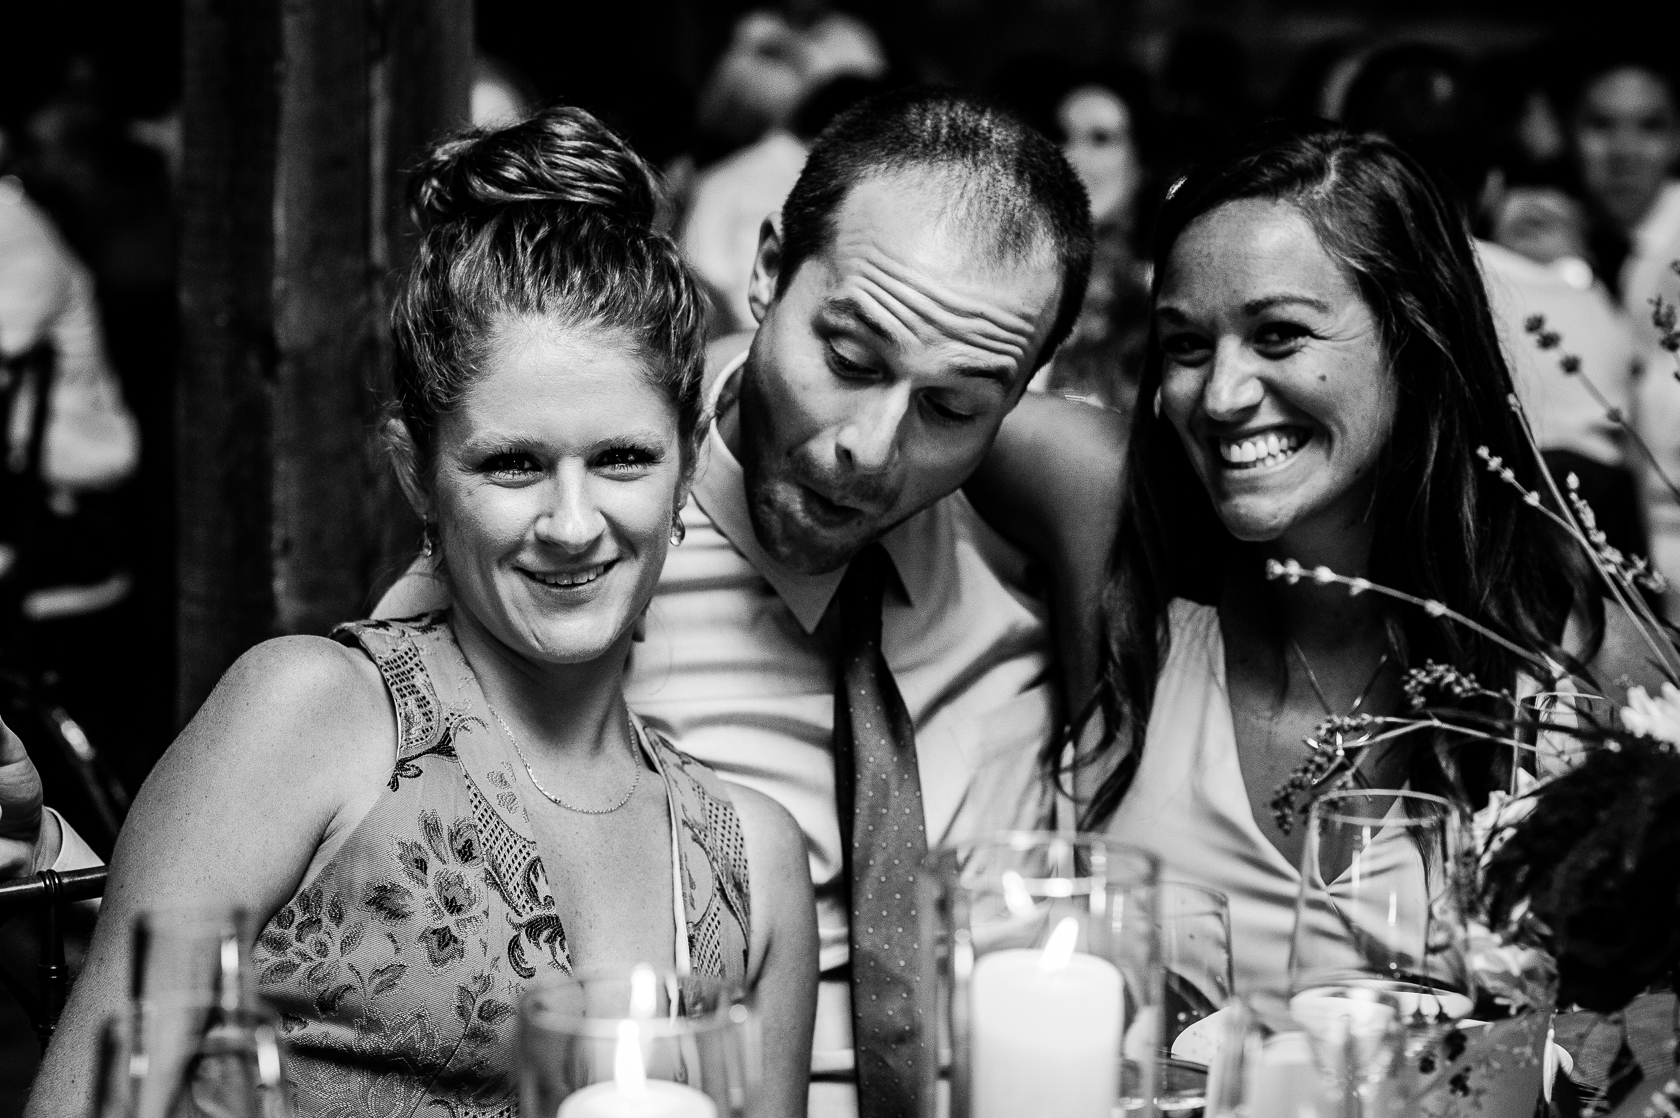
(180,1058)
(1045,996)
(637,1043)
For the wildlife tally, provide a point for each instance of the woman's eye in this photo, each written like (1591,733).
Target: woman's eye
(624,459)
(509,464)
(1185,349)
(1280,336)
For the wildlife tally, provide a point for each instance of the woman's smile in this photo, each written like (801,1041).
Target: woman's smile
(578,578)
(1261,450)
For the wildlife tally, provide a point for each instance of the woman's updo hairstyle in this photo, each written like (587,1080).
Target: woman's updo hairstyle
(550,217)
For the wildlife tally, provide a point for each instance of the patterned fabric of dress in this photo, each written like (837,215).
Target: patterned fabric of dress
(397,969)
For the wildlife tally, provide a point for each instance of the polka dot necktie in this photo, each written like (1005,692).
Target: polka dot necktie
(879,794)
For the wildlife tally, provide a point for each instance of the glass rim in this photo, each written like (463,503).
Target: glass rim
(1319,813)
(734,1004)
(939,859)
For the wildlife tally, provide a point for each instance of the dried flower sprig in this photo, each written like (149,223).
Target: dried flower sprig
(1436,677)
(1651,629)
(1636,570)
(1667,321)
(1291,572)
(1548,339)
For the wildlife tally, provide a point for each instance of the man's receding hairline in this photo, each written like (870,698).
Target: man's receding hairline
(956,206)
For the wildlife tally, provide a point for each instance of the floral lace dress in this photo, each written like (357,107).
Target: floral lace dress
(396,970)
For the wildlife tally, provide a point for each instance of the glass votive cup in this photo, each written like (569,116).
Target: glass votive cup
(1042,985)
(637,1043)
(179,1056)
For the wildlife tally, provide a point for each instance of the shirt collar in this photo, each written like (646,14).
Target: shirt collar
(721,492)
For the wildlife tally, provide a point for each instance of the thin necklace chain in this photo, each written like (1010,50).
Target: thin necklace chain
(550,796)
(1312,680)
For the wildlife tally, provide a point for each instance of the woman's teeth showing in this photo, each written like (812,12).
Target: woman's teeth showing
(1257,451)
(570,578)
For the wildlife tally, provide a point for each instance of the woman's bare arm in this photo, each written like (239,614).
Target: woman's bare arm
(1052,484)
(298,734)
(783,963)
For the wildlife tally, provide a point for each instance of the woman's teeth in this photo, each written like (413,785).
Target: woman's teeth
(1257,451)
(572,578)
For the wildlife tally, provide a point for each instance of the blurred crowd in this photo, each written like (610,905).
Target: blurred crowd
(1563,154)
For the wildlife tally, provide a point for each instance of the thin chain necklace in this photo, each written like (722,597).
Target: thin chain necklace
(550,796)
(1312,680)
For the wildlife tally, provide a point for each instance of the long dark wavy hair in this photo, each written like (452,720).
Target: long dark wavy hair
(1445,528)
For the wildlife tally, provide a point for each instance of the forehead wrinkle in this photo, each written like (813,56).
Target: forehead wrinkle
(971,322)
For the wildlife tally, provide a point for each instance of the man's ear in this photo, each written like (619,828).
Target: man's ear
(767,267)
(405,460)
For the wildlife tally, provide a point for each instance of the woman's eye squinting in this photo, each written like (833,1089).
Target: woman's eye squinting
(1280,337)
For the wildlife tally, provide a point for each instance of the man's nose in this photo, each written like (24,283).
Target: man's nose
(572,521)
(1233,387)
(868,440)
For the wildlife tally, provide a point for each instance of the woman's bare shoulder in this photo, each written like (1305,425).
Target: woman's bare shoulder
(300,701)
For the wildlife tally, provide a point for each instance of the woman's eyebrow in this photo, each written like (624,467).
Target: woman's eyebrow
(1271,302)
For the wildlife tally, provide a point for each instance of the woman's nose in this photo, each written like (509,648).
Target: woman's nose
(572,520)
(1234,387)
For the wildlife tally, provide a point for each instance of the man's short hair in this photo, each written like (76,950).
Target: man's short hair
(1003,178)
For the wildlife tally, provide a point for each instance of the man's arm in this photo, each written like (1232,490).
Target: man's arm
(1053,483)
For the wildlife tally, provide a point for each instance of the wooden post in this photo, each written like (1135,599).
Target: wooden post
(299,117)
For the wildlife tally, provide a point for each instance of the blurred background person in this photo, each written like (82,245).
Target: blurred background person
(1625,133)
(1103,119)
(776,86)
(1424,98)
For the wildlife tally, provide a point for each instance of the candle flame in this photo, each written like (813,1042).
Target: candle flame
(1015,895)
(1058,949)
(644,992)
(628,1070)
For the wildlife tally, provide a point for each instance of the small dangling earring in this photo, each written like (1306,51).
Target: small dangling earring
(679,530)
(428,540)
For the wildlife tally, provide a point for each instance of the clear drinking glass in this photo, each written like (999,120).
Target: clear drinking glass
(195,955)
(1381,902)
(637,1041)
(1196,961)
(187,1059)
(1042,976)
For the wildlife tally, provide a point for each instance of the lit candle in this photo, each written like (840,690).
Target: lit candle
(631,1094)
(1046,1031)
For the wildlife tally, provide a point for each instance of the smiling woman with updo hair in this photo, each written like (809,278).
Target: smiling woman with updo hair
(425,817)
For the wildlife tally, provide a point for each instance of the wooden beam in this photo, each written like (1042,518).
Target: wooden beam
(300,117)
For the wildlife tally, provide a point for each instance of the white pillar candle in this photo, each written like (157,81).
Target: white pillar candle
(1045,1033)
(631,1094)
(656,1099)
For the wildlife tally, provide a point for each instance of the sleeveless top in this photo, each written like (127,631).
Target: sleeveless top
(397,970)
(1188,804)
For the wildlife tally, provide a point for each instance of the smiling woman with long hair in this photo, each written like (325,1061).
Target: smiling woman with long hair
(423,817)
(1321,370)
